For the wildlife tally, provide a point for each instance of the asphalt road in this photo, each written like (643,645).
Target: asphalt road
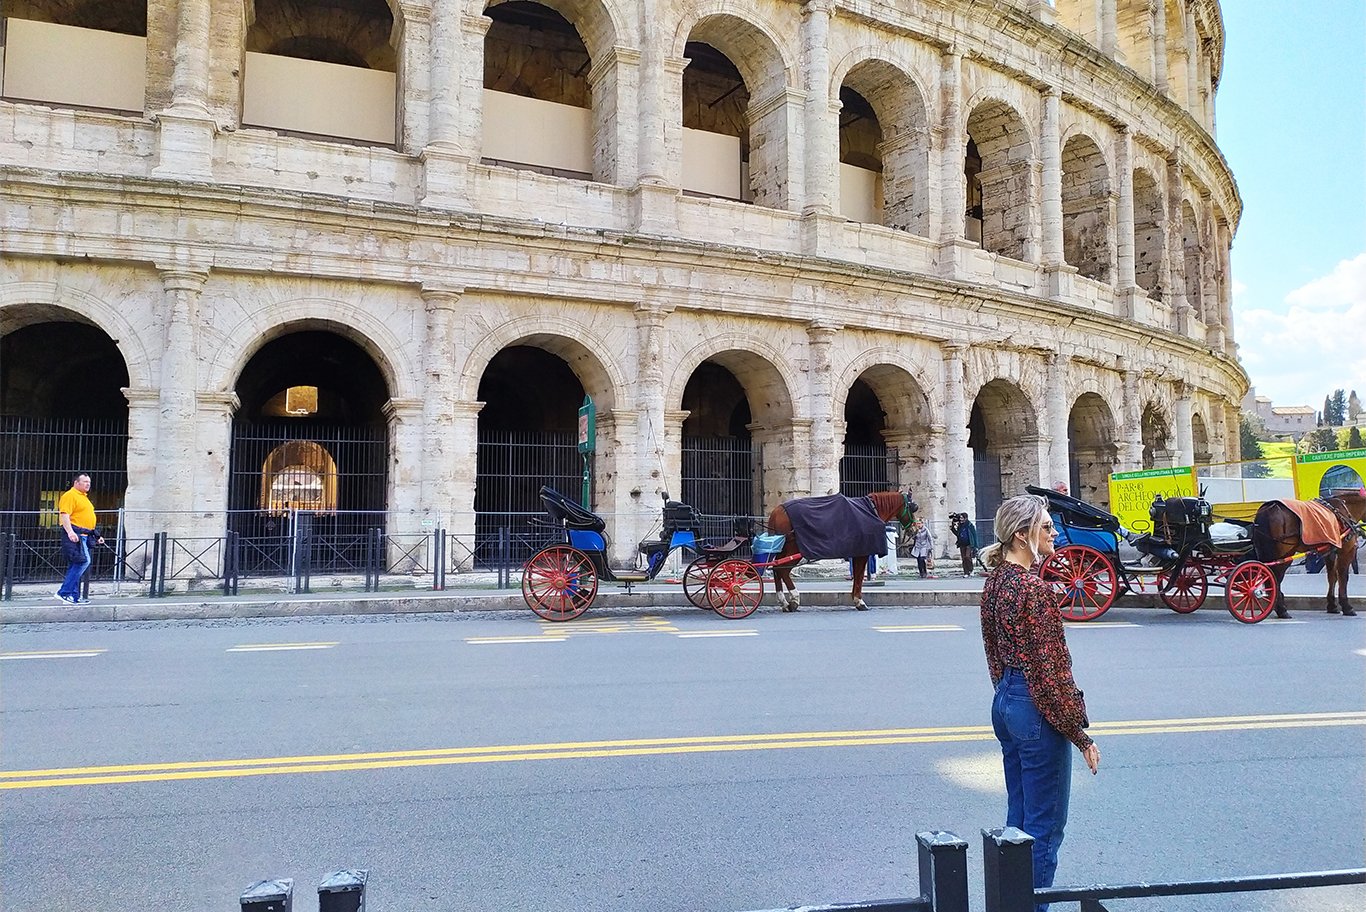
(778,760)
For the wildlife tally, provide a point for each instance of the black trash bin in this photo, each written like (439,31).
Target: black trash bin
(269,896)
(343,891)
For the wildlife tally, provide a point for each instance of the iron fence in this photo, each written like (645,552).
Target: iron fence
(719,477)
(511,466)
(866,468)
(40,456)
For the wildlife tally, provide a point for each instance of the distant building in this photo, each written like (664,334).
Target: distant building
(1280,420)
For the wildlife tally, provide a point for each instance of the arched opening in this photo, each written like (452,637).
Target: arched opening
(1200,445)
(1003,436)
(1177,55)
(868,464)
(886,430)
(538,103)
(715,132)
(1087,226)
(1093,455)
(527,437)
(1005,177)
(718,463)
(1157,438)
(1149,235)
(883,134)
(308,465)
(59,416)
(322,68)
(1193,262)
(735,116)
(75,54)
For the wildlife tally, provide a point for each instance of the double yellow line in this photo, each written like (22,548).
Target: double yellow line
(640,747)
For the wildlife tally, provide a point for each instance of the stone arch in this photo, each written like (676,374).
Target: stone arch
(602,24)
(908,414)
(1202,451)
(1150,230)
(761,369)
(1192,259)
(1092,449)
(763,62)
(357,34)
(25,303)
(571,340)
(1159,443)
(903,148)
(1005,182)
(125,17)
(1087,209)
(1003,434)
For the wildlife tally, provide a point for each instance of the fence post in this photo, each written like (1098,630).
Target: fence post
(369,557)
(165,562)
(1008,869)
(504,557)
(7,548)
(943,870)
(306,550)
(118,555)
(439,560)
(152,569)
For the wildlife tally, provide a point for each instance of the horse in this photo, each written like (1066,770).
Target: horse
(1276,536)
(888,505)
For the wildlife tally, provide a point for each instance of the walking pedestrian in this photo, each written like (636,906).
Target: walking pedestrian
(922,547)
(1037,708)
(77,517)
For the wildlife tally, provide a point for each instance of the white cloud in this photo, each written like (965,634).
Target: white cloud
(1317,345)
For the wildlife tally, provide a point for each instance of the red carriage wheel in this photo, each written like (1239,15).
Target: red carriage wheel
(1251,591)
(735,588)
(559,583)
(695,583)
(1084,579)
(1184,592)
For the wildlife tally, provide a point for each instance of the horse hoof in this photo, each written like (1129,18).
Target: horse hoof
(1349,612)
(860,606)
(1333,609)
(1282,613)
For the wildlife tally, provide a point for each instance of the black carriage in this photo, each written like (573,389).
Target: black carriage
(560,581)
(1179,559)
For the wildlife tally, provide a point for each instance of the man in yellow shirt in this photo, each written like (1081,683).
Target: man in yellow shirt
(78,525)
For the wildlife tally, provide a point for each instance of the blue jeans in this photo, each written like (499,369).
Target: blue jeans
(71,585)
(1038,768)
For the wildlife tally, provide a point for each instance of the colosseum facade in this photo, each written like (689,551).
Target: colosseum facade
(358,255)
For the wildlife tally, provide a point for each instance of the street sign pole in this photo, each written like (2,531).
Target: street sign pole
(588,439)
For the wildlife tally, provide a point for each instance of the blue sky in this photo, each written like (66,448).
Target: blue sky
(1291,120)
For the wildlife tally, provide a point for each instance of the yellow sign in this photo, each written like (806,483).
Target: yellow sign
(1320,474)
(1131,493)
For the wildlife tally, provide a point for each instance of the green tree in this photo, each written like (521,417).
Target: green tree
(1337,409)
(1250,447)
(1323,440)
(1354,439)
(1323,415)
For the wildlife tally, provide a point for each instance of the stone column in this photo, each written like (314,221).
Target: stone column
(1131,450)
(413,32)
(445,78)
(776,151)
(1050,142)
(177,457)
(186,129)
(654,202)
(464,431)
(613,81)
(1158,16)
(1109,29)
(455,136)
(650,108)
(1222,250)
(1181,410)
(1058,402)
(1124,210)
(405,510)
(213,436)
(952,197)
(141,463)
(825,449)
(1219,432)
(1176,252)
(649,400)
(673,450)
(821,131)
(958,481)
(1192,99)
(441,450)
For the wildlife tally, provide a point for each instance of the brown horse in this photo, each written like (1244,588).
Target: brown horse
(1276,536)
(888,504)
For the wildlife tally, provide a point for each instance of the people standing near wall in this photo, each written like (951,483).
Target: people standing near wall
(78,528)
(922,547)
(965,537)
(1037,709)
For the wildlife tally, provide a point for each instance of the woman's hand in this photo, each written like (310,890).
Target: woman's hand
(1092,755)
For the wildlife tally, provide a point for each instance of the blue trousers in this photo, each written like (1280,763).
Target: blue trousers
(1038,769)
(76,566)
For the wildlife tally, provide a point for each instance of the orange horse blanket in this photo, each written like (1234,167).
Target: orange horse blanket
(1318,524)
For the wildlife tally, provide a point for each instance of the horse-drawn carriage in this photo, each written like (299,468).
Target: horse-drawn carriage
(1180,560)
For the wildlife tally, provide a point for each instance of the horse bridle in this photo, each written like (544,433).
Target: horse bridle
(907,515)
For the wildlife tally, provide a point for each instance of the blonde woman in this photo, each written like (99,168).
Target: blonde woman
(1038,712)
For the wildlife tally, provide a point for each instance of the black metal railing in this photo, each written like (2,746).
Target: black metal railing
(866,468)
(718,475)
(39,457)
(510,467)
(1008,872)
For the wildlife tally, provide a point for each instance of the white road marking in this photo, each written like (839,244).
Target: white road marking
(696,634)
(1271,622)
(919,628)
(53,654)
(487,641)
(1097,624)
(1360,652)
(278,647)
(977,772)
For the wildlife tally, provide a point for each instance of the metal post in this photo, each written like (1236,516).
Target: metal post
(1008,870)
(6,566)
(156,562)
(119,534)
(165,562)
(294,548)
(943,870)
(306,551)
(369,558)
(504,557)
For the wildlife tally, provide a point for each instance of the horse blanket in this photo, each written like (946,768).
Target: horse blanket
(837,526)
(1318,524)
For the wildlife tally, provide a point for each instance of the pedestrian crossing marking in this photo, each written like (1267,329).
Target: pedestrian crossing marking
(278,647)
(53,654)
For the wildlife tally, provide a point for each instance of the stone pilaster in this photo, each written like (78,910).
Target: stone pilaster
(614,82)
(820,128)
(1050,143)
(404,418)
(1131,449)
(186,128)
(464,429)
(413,34)
(673,450)
(1192,99)
(614,479)
(1109,29)
(442,450)
(958,481)
(139,499)
(825,455)
(177,489)
(1157,14)
(1058,403)
(951,202)
(1124,211)
(455,136)
(213,435)
(1176,253)
(649,400)
(650,107)
(1181,411)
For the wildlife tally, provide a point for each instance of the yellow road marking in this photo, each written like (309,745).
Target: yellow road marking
(647,624)
(278,647)
(53,654)
(274,766)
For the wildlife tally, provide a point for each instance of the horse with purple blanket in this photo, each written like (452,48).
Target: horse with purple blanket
(835,526)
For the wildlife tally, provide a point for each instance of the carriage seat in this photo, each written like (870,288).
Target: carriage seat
(725,550)
(568,513)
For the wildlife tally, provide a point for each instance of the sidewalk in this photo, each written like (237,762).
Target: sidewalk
(479,592)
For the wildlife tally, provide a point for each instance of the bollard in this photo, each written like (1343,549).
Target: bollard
(343,891)
(269,896)
(1008,869)
(943,871)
